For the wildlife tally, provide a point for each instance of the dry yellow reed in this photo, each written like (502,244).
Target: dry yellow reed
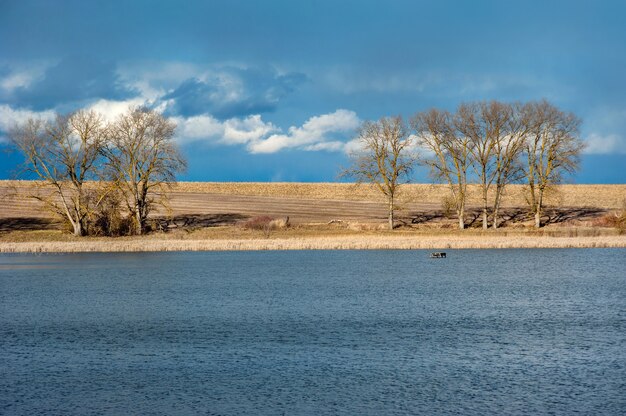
(313,243)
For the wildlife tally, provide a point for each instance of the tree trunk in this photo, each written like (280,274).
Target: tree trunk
(69,215)
(461,215)
(78,228)
(495,218)
(496,209)
(538,208)
(485,219)
(139,221)
(391,213)
(496,205)
(533,199)
(537,218)
(485,216)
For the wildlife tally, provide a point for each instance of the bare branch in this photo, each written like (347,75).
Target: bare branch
(63,153)
(386,158)
(437,132)
(142,161)
(552,148)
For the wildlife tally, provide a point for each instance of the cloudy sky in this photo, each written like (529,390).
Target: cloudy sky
(273,90)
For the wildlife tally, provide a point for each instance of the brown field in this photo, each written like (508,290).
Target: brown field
(323,202)
(325,215)
(582,196)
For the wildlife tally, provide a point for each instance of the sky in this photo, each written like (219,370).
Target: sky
(275,90)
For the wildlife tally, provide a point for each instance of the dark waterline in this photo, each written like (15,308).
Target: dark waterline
(314,332)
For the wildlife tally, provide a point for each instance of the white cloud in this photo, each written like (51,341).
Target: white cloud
(17,80)
(353,146)
(110,110)
(231,131)
(311,135)
(598,144)
(248,130)
(326,132)
(23,75)
(335,146)
(319,133)
(198,127)
(10,117)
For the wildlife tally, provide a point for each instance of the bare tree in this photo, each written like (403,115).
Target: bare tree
(497,132)
(385,160)
(143,161)
(509,143)
(437,132)
(473,124)
(552,148)
(64,154)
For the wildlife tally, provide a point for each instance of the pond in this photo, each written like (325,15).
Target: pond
(314,332)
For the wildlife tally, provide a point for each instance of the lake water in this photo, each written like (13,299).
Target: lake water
(314,332)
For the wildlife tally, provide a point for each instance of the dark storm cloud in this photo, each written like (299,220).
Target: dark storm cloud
(75,79)
(233,92)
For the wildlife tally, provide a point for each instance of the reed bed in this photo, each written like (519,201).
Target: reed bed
(321,243)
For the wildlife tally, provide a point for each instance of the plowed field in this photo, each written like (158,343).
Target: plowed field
(212,203)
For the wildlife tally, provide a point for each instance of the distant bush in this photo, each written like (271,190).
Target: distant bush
(614,219)
(364,226)
(279,223)
(265,224)
(108,219)
(448,206)
(257,223)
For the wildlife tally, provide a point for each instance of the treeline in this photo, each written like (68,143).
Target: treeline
(491,143)
(102,178)
(107,177)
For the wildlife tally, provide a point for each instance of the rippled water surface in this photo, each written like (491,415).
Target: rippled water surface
(314,332)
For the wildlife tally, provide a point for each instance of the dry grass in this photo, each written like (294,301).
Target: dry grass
(318,243)
(613,219)
(313,237)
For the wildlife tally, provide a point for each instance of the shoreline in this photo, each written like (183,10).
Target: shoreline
(314,243)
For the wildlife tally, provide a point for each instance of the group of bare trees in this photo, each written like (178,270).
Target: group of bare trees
(106,177)
(492,144)
(100,177)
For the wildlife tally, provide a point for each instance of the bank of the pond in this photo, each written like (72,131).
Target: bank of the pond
(312,243)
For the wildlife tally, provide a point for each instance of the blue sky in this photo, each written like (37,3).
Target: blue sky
(273,90)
